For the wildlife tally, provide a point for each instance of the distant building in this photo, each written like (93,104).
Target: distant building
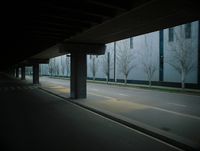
(152,49)
(161,44)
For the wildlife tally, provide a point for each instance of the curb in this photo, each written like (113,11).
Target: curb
(171,139)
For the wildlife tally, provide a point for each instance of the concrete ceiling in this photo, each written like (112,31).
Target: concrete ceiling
(32,29)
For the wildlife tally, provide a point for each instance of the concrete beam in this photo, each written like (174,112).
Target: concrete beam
(87,48)
(78,76)
(30,62)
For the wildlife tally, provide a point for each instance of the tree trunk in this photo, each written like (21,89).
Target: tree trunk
(182,79)
(93,77)
(107,79)
(125,80)
(67,72)
(149,82)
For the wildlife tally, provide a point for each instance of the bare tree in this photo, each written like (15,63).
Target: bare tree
(182,53)
(107,64)
(63,65)
(94,66)
(148,62)
(67,65)
(57,71)
(51,64)
(125,59)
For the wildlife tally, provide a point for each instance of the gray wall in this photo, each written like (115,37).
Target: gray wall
(141,54)
(170,74)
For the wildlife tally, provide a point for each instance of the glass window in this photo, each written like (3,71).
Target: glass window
(171,34)
(188,30)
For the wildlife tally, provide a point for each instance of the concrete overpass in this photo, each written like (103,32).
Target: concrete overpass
(37,31)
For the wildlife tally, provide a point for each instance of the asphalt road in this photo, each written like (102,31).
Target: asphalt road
(32,119)
(174,113)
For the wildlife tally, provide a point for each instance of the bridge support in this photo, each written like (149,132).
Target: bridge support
(79,51)
(17,72)
(22,72)
(34,62)
(36,73)
(78,76)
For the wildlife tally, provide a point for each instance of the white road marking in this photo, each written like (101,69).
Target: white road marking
(123,94)
(177,113)
(153,107)
(99,95)
(95,89)
(181,105)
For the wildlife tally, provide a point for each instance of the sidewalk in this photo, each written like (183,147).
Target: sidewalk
(112,109)
(144,86)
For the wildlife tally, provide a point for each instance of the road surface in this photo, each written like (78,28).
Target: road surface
(174,113)
(32,119)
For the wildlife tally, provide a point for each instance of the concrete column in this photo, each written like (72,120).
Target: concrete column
(23,73)
(161,55)
(78,76)
(198,60)
(17,72)
(13,72)
(36,73)
(115,75)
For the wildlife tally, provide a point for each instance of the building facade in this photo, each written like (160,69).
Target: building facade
(154,57)
(160,52)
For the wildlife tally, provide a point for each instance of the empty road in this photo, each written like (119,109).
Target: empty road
(32,119)
(174,113)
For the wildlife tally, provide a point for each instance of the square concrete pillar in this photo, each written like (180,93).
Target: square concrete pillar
(23,73)
(78,76)
(17,72)
(12,72)
(36,73)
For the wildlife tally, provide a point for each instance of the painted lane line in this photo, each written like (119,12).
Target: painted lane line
(95,89)
(181,105)
(107,97)
(177,113)
(152,107)
(123,94)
